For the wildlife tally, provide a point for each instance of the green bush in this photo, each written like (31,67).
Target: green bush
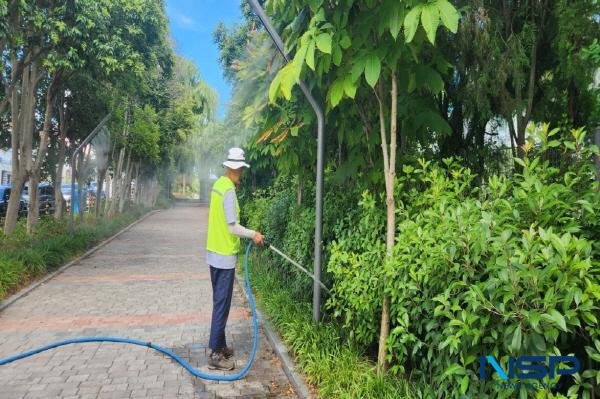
(334,365)
(507,269)
(11,272)
(356,266)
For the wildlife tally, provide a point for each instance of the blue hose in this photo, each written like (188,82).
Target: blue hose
(167,352)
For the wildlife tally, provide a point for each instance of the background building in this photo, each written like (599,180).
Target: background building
(5,167)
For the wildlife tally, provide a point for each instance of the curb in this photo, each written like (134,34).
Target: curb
(24,292)
(287,364)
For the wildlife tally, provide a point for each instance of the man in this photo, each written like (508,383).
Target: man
(222,247)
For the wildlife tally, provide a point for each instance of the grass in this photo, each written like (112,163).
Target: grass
(332,365)
(25,258)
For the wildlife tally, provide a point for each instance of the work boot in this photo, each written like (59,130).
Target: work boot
(228,352)
(218,361)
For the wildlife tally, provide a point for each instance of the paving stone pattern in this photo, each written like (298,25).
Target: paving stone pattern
(152,284)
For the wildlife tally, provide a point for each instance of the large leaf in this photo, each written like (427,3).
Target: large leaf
(324,43)
(337,55)
(358,68)
(449,15)
(430,18)
(310,55)
(372,70)
(396,16)
(556,318)
(349,86)
(515,345)
(284,81)
(336,91)
(411,23)
(274,87)
(345,42)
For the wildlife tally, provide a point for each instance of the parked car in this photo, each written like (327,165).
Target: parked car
(46,198)
(65,189)
(5,196)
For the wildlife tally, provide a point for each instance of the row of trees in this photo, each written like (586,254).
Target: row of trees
(66,65)
(404,79)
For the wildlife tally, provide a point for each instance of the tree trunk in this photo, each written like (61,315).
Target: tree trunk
(34,203)
(22,125)
(60,201)
(99,185)
(117,176)
(60,206)
(14,204)
(33,215)
(299,191)
(597,142)
(389,159)
(125,194)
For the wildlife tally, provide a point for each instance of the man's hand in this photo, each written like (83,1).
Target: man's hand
(258,238)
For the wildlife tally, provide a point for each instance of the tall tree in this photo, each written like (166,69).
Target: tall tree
(50,40)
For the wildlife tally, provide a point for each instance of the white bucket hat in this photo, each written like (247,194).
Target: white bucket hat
(235,159)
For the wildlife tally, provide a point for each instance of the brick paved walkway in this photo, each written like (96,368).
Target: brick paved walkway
(151,284)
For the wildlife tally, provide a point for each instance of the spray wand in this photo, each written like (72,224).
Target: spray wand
(293,262)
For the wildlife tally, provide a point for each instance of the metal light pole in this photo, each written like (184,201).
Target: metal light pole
(74,162)
(320,148)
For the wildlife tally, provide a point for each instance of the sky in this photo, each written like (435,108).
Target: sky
(192,24)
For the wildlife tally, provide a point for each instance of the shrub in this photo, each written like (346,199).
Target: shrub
(333,364)
(23,257)
(11,272)
(507,269)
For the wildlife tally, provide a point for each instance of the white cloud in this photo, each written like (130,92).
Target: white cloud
(186,22)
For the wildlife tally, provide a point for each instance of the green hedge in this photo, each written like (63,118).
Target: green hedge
(329,362)
(504,267)
(23,257)
(507,269)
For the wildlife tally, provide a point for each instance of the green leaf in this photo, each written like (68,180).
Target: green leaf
(337,55)
(310,55)
(538,342)
(289,77)
(464,384)
(336,91)
(557,318)
(372,70)
(396,17)
(411,23)
(449,15)
(430,18)
(454,368)
(324,43)
(349,87)
(516,341)
(294,131)
(274,87)
(358,68)
(345,42)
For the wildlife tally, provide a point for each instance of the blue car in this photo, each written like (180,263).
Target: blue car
(46,199)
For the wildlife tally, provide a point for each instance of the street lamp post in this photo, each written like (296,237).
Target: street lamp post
(74,162)
(320,150)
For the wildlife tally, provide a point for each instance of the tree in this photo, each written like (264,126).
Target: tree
(58,39)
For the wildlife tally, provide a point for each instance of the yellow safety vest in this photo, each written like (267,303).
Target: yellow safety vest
(219,239)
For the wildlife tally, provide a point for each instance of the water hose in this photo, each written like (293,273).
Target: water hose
(165,351)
